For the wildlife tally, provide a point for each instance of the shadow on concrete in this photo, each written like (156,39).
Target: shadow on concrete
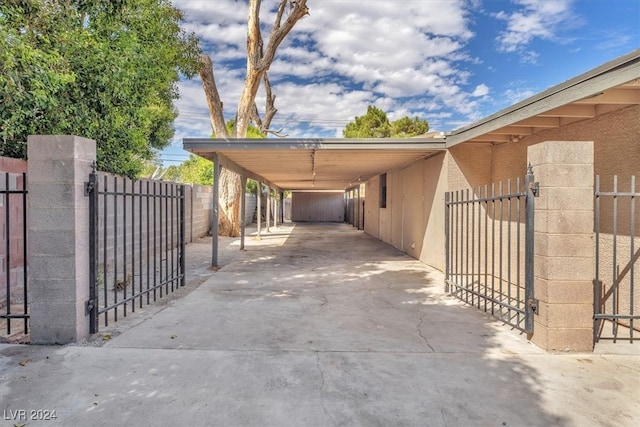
(330,327)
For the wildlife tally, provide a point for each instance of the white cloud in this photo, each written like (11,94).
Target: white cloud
(480,90)
(346,55)
(535,19)
(518,94)
(611,39)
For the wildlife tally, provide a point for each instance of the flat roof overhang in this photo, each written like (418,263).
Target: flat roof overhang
(314,164)
(609,87)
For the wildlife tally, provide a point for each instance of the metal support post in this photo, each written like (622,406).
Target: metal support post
(268,210)
(243,211)
(214,210)
(259,215)
(531,304)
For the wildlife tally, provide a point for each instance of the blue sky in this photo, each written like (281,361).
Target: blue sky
(450,62)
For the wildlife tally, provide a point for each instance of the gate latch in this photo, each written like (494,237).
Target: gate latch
(89,306)
(533,304)
(88,188)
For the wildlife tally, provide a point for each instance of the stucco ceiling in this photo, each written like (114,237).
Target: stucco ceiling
(314,164)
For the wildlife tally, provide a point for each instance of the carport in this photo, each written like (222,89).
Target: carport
(572,135)
(306,164)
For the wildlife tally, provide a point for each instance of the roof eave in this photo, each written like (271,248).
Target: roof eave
(606,76)
(198,145)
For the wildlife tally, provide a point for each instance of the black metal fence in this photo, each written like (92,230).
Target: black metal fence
(489,249)
(137,244)
(617,235)
(13,252)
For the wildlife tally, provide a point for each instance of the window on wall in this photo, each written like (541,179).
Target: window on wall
(383,190)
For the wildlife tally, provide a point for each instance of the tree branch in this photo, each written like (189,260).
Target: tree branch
(213,97)
(270,108)
(279,31)
(254,36)
(278,21)
(255,117)
(258,62)
(277,133)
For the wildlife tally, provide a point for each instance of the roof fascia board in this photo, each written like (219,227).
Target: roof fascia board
(212,144)
(607,76)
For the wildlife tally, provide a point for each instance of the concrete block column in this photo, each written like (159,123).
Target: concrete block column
(564,245)
(58,167)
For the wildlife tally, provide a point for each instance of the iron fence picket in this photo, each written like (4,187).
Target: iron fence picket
(141,239)
(483,276)
(8,196)
(615,298)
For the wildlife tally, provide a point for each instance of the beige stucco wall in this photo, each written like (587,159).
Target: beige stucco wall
(372,207)
(395,194)
(469,166)
(432,233)
(385,213)
(413,220)
(616,138)
(412,214)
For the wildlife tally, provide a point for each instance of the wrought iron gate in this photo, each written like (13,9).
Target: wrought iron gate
(137,244)
(13,251)
(489,249)
(617,235)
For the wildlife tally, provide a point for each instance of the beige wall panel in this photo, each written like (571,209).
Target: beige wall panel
(372,207)
(435,185)
(317,207)
(413,210)
(395,194)
(616,138)
(469,165)
(385,221)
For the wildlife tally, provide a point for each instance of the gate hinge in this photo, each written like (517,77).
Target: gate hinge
(535,188)
(89,306)
(533,304)
(88,188)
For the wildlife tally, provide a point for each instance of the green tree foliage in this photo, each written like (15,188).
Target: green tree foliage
(102,70)
(376,124)
(196,170)
(252,131)
(407,127)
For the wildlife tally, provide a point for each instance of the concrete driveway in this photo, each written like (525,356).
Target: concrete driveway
(317,325)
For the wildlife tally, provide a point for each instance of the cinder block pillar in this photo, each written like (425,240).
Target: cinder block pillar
(58,167)
(564,245)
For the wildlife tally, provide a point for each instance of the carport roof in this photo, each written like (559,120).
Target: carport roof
(337,164)
(314,164)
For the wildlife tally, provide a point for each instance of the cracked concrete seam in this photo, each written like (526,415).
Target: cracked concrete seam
(419,328)
(321,398)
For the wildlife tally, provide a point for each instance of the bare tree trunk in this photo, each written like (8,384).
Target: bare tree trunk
(213,97)
(259,60)
(229,203)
